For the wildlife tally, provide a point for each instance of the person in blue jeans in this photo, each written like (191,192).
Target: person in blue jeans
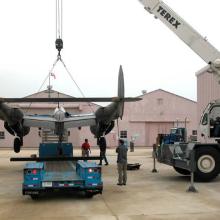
(121,150)
(102,145)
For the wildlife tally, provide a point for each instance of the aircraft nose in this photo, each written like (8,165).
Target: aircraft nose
(59,116)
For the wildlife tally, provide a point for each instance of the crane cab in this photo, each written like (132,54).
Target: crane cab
(210,121)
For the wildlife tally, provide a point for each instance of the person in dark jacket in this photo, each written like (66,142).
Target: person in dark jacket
(102,145)
(121,150)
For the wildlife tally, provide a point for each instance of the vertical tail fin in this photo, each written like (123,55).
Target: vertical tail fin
(121,92)
(105,116)
(121,89)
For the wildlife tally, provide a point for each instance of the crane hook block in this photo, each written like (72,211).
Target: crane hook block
(59,44)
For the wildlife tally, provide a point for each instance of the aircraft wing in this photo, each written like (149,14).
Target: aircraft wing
(79,120)
(40,121)
(48,121)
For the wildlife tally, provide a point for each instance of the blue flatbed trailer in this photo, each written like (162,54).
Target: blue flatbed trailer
(66,176)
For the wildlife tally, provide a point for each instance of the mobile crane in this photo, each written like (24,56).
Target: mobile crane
(202,159)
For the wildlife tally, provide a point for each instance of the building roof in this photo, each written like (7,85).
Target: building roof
(45,94)
(170,93)
(53,94)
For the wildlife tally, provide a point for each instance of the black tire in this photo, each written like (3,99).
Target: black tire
(89,195)
(182,171)
(17,145)
(207,163)
(34,197)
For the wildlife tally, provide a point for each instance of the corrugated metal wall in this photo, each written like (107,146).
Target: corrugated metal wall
(208,89)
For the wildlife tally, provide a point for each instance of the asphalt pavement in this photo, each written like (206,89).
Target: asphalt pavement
(147,195)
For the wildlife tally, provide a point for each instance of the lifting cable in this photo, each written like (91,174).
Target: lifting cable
(44,81)
(59,44)
(59,19)
(59,47)
(59,25)
(70,75)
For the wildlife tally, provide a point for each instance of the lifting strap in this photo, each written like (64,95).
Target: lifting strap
(59,47)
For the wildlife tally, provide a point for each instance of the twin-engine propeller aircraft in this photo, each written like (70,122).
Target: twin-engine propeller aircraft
(101,122)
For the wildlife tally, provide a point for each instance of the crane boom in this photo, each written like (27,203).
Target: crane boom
(185,32)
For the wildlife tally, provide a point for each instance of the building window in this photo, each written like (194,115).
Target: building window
(2,135)
(194,132)
(123,134)
(160,101)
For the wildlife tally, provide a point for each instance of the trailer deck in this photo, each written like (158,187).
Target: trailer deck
(52,176)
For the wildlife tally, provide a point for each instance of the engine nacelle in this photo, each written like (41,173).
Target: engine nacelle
(17,129)
(102,129)
(15,115)
(11,115)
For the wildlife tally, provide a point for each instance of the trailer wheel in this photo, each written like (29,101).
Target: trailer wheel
(181,171)
(207,164)
(89,194)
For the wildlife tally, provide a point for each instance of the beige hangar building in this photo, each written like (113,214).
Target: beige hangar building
(157,112)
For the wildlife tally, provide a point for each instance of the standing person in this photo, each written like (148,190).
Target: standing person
(102,146)
(86,148)
(121,150)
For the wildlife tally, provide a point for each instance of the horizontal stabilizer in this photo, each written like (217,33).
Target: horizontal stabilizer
(91,99)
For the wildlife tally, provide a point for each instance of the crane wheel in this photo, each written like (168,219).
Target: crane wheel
(207,161)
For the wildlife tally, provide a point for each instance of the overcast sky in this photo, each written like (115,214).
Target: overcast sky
(98,36)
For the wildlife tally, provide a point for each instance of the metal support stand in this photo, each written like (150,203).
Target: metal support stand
(154,159)
(192,170)
(192,187)
(131,146)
